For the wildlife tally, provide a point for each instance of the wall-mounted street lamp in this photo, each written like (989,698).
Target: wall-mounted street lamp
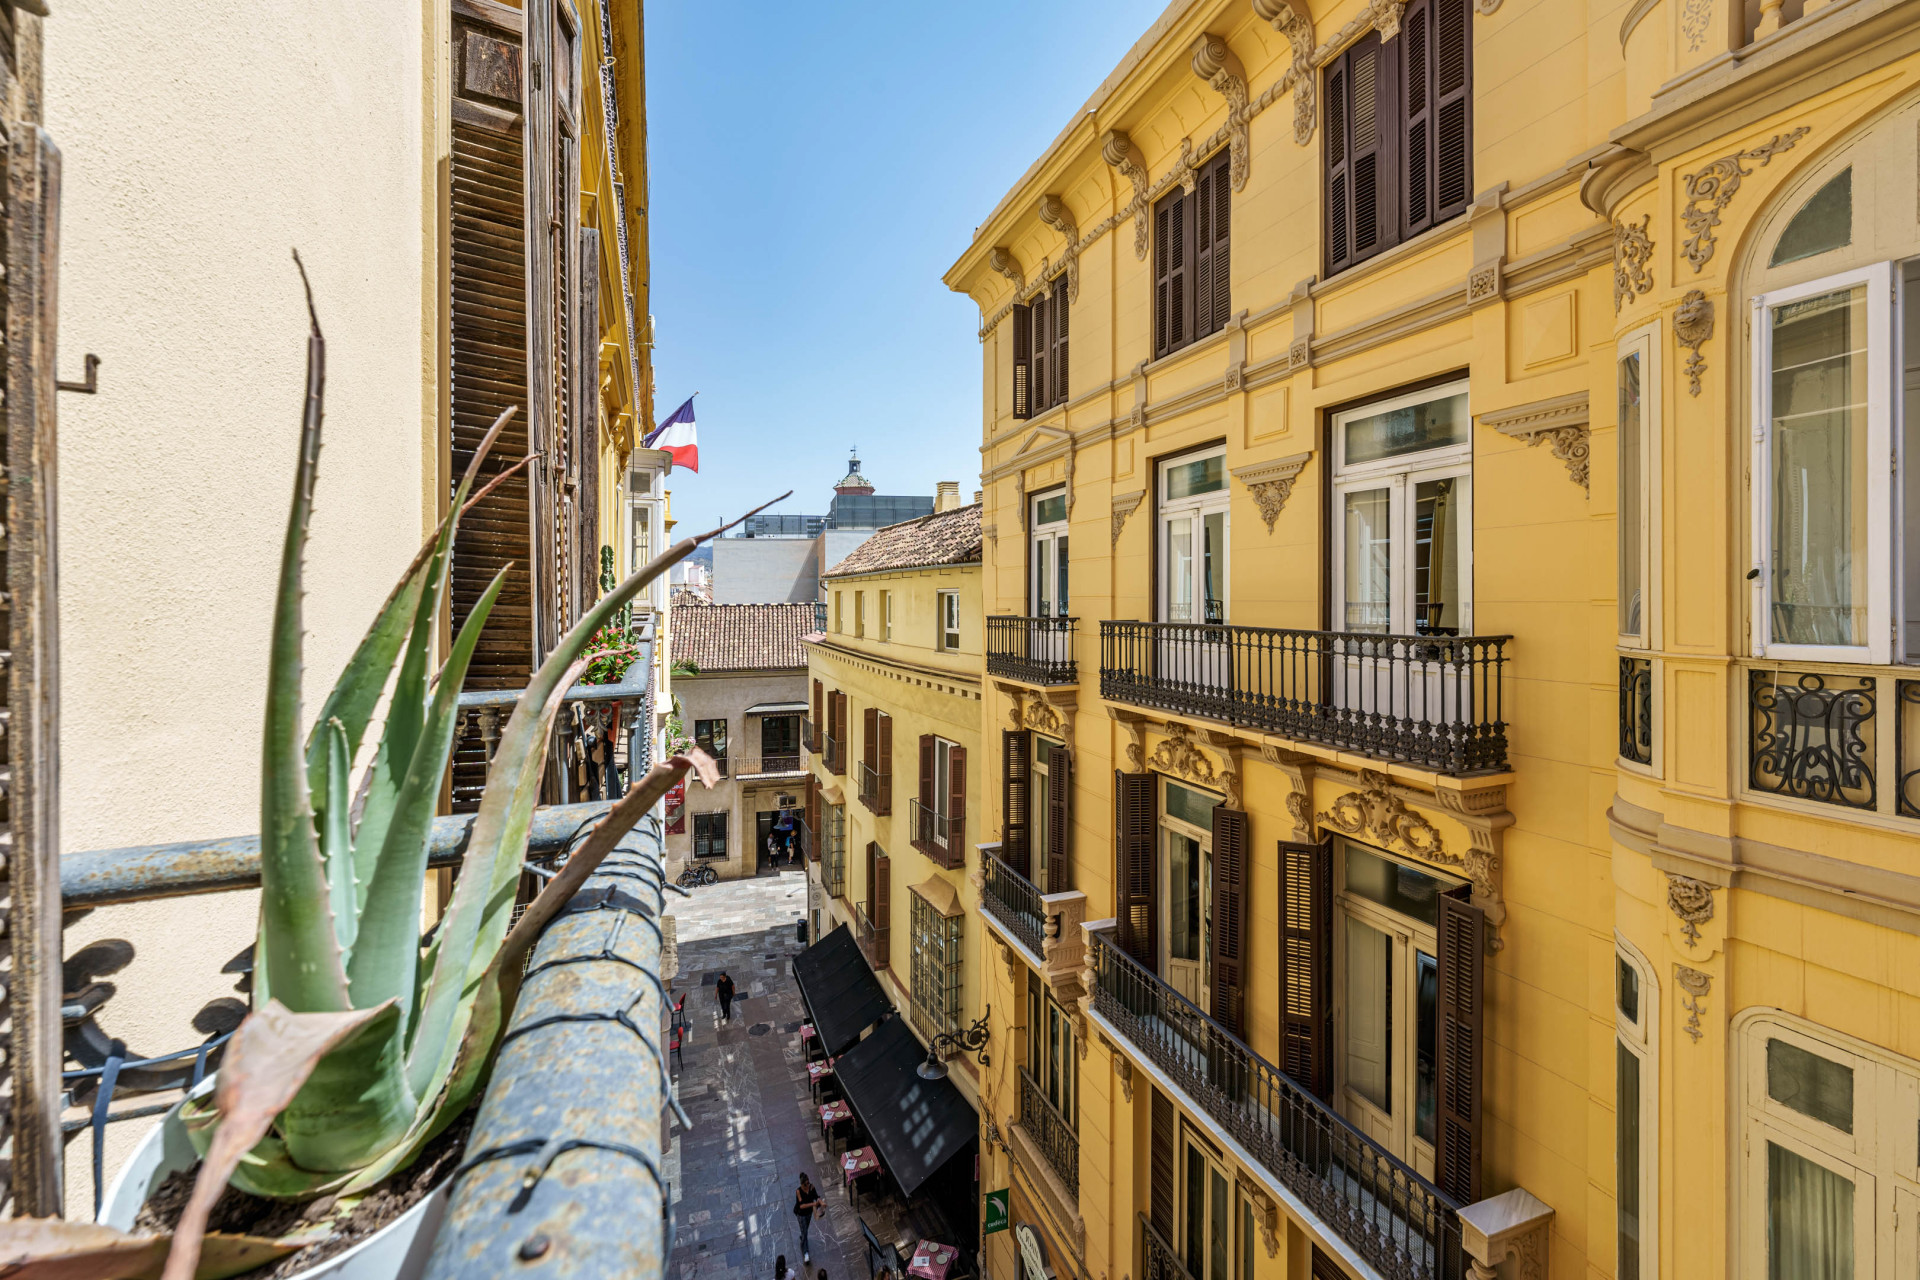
(972,1040)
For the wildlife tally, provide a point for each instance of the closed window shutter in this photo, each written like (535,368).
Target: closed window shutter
(1306,964)
(927,791)
(1059,309)
(1202,203)
(1324,1267)
(1042,337)
(956,805)
(1361,213)
(1453,108)
(817,728)
(586,416)
(882,917)
(1160,1174)
(1022,361)
(1220,221)
(1059,792)
(870,738)
(1416,97)
(1339,210)
(1016,792)
(1230,850)
(813,818)
(1456,1160)
(1133,872)
(883,764)
(1170,274)
(873,877)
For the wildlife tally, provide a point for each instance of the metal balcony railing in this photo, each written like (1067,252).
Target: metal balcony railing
(1014,901)
(1397,1220)
(940,836)
(1435,701)
(597,721)
(875,942)
(834,752)
(808,740)
(876,790)
(1636,709)
(1050,1131)
(1036,650)
(1159,1260)
(769,766)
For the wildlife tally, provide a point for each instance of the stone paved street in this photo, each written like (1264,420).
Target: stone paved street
(744,1086)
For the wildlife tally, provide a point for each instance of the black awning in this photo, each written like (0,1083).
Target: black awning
(842,995)
(917,1125)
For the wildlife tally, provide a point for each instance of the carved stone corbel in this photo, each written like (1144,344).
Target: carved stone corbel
(1215,63)
(1513,1225)
(1118,150)
(1071,453)
(1136,727)
(1693,325)
(1296,24)
(1692,901)
(1178,755)
(1384,16)
(1123,1069)
(1001,259)
(1632,251)
(1012,961)
(1561,423)
(1054,212)
(1020,497)
(1299,771)
(1483,812)
(1271,483)
(1123,506)
(1184,166)
(1266,1214)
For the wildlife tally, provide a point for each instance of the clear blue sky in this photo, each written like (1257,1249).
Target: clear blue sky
(815,169)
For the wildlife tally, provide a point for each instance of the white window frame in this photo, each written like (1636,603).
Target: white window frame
(860,614)
(1641,1037)
(886,615)
(1042,540)
(942,788)
(1198,506)
(1401,473)
(1881,362)
(1645,342)
(948,619)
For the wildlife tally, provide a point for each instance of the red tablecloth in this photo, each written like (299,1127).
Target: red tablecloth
(806,1031)
(932,1260)
(818,1071)
(856,1163)
(832,1113)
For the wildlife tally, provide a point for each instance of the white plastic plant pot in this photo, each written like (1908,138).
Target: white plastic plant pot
(398,1251)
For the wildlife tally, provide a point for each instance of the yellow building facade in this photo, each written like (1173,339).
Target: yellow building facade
(1449,590)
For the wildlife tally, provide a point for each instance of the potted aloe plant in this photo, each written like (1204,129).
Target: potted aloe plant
(364,1044)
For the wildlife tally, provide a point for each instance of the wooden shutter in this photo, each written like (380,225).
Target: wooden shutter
(1170,279)
(1230,876)
(816,728)
(1059,358)
(870,738)
(1324,1267)
(1453,108)
(928,791)
(956,805)
(1022,361)
(1133,872)
(488,359)
(1212,305)
(1416,108)
(1306,963)
(1041,392)
(813,818)
(883,762)
(1059,814)
(882,914)
(839,731)
(873,854)
(1016,795)
(1161,1169)
(586,417)
(1361,217)
(1456,1159)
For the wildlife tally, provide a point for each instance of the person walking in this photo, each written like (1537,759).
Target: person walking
(806,1203)
(724,989)
(781,1271)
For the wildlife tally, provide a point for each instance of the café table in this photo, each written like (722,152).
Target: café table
(832,1113)
(932,1260)
(809,1040)
(816,1073)
(855,1165)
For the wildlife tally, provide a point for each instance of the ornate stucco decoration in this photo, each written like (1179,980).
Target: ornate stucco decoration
(1695,984)
(1215,63)
(1123,1069)
(1123,506)
(1178,755)
(1300,809)
(1296,24)
(1001,259)
(1020,497)
(1010,959)
(1072,489)
(1483,812)
(1385,17)
(1711,189)
(1692,901)
(1054,212)
(1560,423)
(1693,325)
(1184,167)
(1379,815)
(1693,22)
(1632,250)
(1271,483)
(1265,1213)
(1136,740)
(1117,149)
(991,532)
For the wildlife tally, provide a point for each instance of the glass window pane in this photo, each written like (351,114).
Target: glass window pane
(1432,425)
(1369,1013)
(1042,577)
(1191,806)
(1819,462)
(1426,979)
(1184,879)
(1060,575)
(1247,1231)
(1196,1205)
(1368,560)
(1632,496)
(1180,570)
(1439,532)
(1221,1227)
(1809,1219)
(1051,508)
(1186,479)
(1627,990)
(1213,554)
(1824,222)
(1626,1158)
(1394,885)
(1812,1085)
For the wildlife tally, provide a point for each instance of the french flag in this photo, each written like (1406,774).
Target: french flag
(678,437)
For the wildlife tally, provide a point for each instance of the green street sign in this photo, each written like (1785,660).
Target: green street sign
(996,1212)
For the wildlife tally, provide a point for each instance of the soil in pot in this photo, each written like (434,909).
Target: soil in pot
(236,1211)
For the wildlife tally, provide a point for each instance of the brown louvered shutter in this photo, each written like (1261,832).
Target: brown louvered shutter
(928,791)
(1016,795)
(1042,378)
(1324,1267)
(870,739)
(816,728)
(882,916)
(813,818)
(1453,108)
(873,854)
(1202,203)
(1306,963)
(488,360)
(1456,1159)
(1230,873)
(1361,213)
(1059,309)
(1170,274)
(840,732)
(1212,304)
(1022,361)
(1160,1172)
(1133,871)
(1059,815)
(586,416)
(1416,108)
(956,805)
(883,766)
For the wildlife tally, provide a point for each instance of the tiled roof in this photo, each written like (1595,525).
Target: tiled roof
(945,537)
(740,637)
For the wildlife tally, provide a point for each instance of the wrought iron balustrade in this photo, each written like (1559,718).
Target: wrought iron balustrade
(766,766)
(875,940)
(599,737)
(1014,901)
(1636,709)
(834,752)
(1436,701)
(876,789)
(1036,650)
(1397,1220)
(940,836)
(1159,1260)
(1814,736)
(808,740)
(1051,1132)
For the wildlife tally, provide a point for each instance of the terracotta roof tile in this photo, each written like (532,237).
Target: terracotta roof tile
(945,537)
(740,637)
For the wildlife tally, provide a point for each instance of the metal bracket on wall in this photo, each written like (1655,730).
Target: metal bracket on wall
(91,385)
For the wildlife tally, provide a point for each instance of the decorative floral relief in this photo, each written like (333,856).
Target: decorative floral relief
(1692,901)
(1693,22)
(1693,325)
(1695,985)
(1375,812)
(1632,250)
(1712,188)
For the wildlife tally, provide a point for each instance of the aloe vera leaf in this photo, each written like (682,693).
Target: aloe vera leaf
(387,952)
(296,931)
(356,1106)
(336,838)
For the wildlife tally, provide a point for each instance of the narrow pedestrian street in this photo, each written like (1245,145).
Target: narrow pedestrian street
(744,1085)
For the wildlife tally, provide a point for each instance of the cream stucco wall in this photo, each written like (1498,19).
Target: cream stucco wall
(202,141)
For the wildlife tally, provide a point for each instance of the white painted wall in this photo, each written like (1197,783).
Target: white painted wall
(202,141)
